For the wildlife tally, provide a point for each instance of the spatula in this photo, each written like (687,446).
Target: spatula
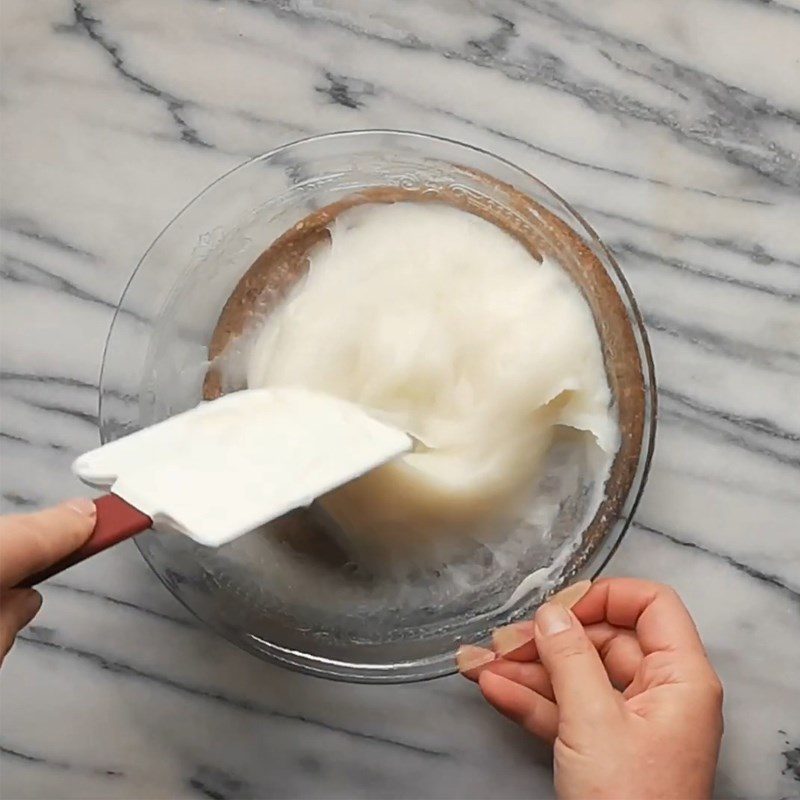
(222,469)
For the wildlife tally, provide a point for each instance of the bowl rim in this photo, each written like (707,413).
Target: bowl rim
(388,673)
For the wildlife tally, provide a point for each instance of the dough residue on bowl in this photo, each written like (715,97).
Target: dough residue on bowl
(447,327)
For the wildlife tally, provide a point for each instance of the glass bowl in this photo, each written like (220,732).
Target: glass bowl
(351,627)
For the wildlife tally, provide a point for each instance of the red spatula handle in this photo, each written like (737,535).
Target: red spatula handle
(116,521)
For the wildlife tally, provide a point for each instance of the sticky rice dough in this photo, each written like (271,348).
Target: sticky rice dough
(447,327)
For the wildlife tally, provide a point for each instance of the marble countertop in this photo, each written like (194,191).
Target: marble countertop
(673,127)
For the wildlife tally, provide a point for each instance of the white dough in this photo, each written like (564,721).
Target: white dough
(448,328)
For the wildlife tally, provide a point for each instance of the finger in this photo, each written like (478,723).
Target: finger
(653,610)
(471,660)
(619,648)
(581,686)
(619,651)
(31,542)
(531,675)
(533,712)
(516,642)
(17,608)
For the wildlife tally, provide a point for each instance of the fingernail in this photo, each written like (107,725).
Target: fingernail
(511,637)
(552,618)
(567,598)
(83,506)
(471,657)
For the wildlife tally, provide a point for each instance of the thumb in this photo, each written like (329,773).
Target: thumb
(581,686)
(31,542)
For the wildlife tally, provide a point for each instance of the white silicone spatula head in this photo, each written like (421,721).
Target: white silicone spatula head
(228,466)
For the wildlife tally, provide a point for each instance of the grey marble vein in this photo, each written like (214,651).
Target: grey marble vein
(43,638)
(8,752)
(749,571)
(729,109)
(91,26)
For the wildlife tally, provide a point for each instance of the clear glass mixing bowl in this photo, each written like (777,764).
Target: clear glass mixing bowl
(156,359)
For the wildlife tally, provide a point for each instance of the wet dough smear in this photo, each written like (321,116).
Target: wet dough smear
(447,327)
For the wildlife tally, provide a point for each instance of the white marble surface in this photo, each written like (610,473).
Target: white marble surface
(673,126)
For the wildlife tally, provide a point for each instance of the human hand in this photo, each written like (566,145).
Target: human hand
(30,543)
(621,685)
